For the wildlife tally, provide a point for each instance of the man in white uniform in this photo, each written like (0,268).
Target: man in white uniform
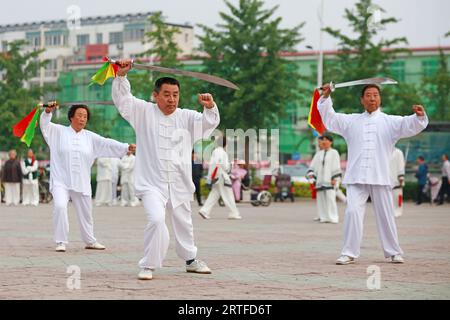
(370,138)
(163,171)
(397,166)
(103,193)
(325,169)
(72,153)
(30,185)
(218,177)
(128,194)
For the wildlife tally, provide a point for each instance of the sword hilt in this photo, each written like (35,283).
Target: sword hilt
(117,62)
(332,86)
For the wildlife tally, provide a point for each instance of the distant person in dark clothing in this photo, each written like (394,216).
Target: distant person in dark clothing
(422,176)
(445,186)
(11,178)
(197,173)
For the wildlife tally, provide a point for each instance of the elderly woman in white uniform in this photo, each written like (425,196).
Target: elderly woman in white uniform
(72,153)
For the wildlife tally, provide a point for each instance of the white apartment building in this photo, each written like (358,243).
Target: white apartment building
(88,40)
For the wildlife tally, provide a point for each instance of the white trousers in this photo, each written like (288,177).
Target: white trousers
(326,206)
(114,189)
(83,208)
(30,193)
(128,194)
(103,194)
(220,190)
(12,193)
(357,195)
(398,205)
(156,235)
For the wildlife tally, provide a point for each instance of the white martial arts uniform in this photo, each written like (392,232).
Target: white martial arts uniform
(325,167)
(128,194)
(103,193)
(397,166)
(115,163)
(163,169)
(370,139)
(71,157)
(222,187)
(30,183)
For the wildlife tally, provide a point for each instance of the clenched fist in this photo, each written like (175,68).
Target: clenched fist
(124,66)
(206,100)
(52,105)
(418,110)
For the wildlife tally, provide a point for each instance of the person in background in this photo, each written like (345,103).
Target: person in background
(11,178)
(30,183)
(422,176)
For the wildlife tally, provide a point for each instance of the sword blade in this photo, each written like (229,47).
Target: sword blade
(197,75)
(378,81)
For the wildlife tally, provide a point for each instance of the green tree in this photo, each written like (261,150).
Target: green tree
(362,57)
(436,88)
(164,52)
(245,48)
(17,96)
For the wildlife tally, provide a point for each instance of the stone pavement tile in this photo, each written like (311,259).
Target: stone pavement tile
(275,252)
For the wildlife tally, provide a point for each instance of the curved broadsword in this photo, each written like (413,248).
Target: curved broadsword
(377,81)
(198,75)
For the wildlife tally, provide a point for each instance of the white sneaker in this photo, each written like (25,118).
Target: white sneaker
(204,215)
(198,266)
(60,247)
(342,260)
(234,217)
(397,259)
(95,246)
(145,274)
(316,219)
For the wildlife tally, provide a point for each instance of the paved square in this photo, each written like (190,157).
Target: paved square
(275,252)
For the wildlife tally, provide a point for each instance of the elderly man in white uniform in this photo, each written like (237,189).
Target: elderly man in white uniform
(128,194)
(163,173)
(370,138)
(72,153)
(30,184)
(325,169)
(219,165)
(397,166)
(103,193)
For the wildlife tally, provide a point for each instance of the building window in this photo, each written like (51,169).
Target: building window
(51,68)
(186,38)
(82,40)
(430,67)
(115,37)
(99,38)
(134,34)
(4,46)
(398,70)
(52,40)
(34,39)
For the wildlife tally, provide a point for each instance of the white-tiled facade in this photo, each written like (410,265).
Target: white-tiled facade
(118,36)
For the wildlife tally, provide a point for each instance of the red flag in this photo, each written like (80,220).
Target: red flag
(19,128)
(213,175)
(314,118)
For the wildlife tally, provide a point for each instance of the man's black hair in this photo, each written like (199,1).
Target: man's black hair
(165,80)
